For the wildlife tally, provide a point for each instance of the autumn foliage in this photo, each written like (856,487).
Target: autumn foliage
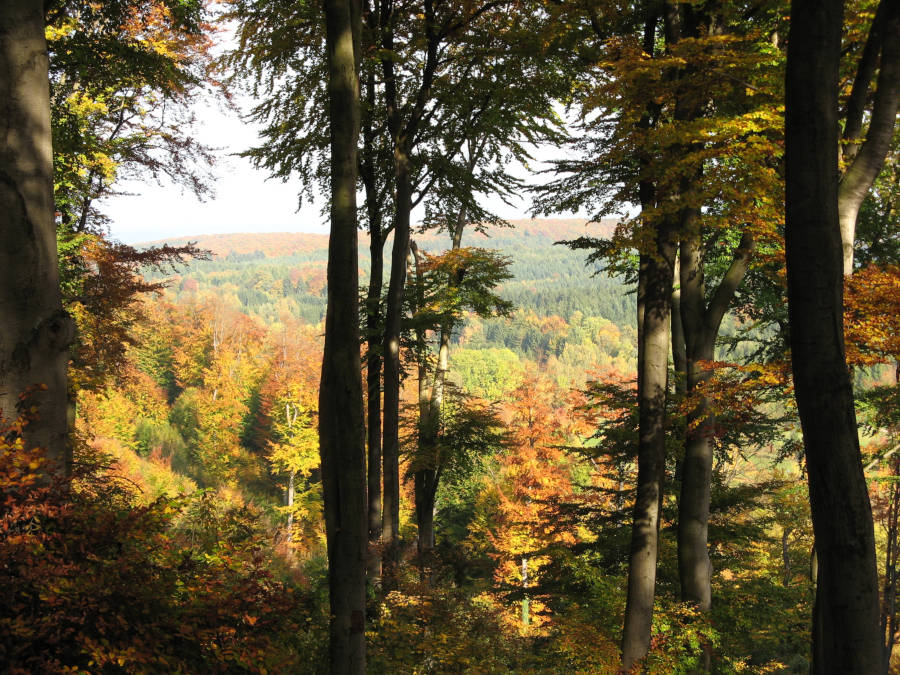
(91,581)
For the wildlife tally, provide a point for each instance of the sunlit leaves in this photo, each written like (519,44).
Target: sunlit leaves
(91,581)
(872,316)
(457,281)
(123,75)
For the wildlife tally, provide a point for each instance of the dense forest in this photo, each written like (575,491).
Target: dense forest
(662,440)
(562,317)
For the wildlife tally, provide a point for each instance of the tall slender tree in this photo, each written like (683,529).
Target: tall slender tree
(341,419)
(443,288)
(846,635)
(444,84)
(374,156)
(35,332)
(628,175)
(686,153)
(738,148)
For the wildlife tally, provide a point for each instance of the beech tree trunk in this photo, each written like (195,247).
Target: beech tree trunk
(694,567)
(700,322)
(403,122)
(658,269)
(341,420)
(425,475)
(679,348)
(845,628)
(289,502)
(374,336)
(431,402)
(391,351)
(425,491)
(867,158)
(373,396)
(889,598)
(654,297)
(35,332)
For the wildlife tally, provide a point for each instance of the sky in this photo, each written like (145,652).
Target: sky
(243,200)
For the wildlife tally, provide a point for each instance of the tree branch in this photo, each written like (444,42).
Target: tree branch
(853,113)
(726,289)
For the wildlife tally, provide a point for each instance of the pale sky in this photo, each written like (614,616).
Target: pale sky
(243,200)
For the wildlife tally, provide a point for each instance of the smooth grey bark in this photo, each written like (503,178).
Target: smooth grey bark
(526,601)
(35,332)
(431,402)
(390,523)
(291,415)
(786,556)
(657,269)
(701,322)
(846,635)
(424,476)
(868,158)
(855,109)
(641,589)
(289,502)
(373,398)
(679,362)
(390,451)
(341,421)
(889,597)
(679,348)
(403,132)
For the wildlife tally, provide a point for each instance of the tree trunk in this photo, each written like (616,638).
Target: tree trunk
(431,402)
(701,323)
(889,599)
(786,556)
(845,628)
(679,365)
(425,492)
(652,384)
(341,420)
(373,391)
(651,441)
(870,156)
(679,348)
(403,122)
(443,361)
(424,476)
(391,350)
(694,567)
(36,332)
(290,505)
(526,601)
(373,388)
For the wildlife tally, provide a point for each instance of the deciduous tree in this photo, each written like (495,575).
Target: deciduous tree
(36,331)
(845,631)
(341,420)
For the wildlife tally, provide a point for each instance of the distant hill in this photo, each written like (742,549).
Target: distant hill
(270,244)
(286,244)
(566,314)
(266,274)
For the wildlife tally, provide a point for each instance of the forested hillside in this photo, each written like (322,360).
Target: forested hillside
(566,314)
(433,441)
(261,269)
